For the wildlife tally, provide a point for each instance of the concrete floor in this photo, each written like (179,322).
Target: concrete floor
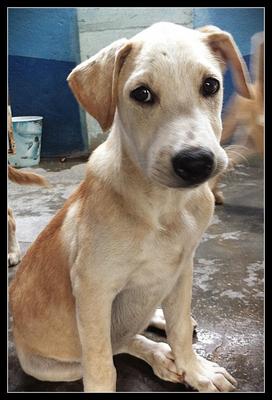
(228,281)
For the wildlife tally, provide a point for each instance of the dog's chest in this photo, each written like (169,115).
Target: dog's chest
(161,255)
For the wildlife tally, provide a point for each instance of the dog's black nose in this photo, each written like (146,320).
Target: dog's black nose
(193,165)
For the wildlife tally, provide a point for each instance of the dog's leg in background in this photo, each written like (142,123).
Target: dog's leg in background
(21,178)
(236,154)
(14,252)
(199,373)
(230,123)
(217,192)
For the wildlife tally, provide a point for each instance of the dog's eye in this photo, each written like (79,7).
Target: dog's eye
(142,94)
(210,86)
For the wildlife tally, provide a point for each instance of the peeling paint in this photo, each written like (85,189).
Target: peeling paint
(222,236)
(215,220)
(232,294)
(207,236)
(254,279)
(203,272)
(237,172)
(230,235)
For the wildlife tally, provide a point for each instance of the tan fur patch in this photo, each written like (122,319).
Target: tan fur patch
(40,314)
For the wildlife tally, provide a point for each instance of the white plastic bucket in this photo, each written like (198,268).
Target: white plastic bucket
(27,135)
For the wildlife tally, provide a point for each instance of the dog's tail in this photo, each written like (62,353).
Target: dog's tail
(26,178)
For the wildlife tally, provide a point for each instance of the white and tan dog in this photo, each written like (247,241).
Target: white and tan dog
(124,242)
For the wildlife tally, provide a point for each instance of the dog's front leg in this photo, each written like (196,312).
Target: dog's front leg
(94,298)
(198,372)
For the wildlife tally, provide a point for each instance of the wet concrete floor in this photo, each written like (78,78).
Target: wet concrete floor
(228,281)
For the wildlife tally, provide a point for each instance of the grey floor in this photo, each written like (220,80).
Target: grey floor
(228,281)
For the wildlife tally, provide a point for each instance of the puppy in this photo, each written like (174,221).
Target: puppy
(125,240)
(22,178)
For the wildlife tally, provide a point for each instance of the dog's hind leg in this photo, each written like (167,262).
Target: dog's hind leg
(158,320)
(49,369)
(157,354)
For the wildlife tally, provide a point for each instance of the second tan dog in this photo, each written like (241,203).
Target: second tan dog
(248,115)
(22,178)
(124,242)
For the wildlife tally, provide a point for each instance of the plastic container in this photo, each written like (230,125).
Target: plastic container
(27,135)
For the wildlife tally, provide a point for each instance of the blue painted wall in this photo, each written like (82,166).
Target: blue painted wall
(242,23)
(43,49)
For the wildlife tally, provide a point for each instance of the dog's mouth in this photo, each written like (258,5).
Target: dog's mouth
(177,183)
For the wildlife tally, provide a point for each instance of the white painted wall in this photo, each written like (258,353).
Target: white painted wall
(100,26)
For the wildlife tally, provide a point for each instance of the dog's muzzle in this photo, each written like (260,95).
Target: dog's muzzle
(193,165)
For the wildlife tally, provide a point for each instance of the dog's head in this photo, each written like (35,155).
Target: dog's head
(164,89)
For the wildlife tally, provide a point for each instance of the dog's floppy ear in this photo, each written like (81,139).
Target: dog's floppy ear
(94,81)
(222,44)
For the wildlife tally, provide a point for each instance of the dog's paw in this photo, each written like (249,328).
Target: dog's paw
(14,258)
(207,376)
(163,364)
